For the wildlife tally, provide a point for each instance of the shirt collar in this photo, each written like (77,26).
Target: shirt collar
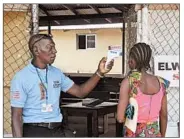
(32,67)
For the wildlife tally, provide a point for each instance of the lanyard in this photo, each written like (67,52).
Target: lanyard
(45,86)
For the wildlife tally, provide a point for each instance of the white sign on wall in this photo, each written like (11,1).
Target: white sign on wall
(167,67)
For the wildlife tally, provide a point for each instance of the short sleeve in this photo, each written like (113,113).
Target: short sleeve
(17,94)
(66,83)
(165,84)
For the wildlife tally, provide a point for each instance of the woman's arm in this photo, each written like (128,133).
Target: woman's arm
(123,100)
(163,116)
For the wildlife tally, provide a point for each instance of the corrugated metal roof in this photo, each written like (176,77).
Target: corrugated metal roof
(78,14)
(109,10)
(53,6)
(86,11)
(60,12)
(80,11)
(75,6)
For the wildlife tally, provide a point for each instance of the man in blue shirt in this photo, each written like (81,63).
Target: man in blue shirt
(35,91)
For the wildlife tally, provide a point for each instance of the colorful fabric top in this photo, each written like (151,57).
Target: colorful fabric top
(148,105)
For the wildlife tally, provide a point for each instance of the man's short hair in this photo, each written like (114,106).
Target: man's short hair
(36,38)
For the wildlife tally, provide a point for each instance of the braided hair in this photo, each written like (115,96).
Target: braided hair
(141,53)
(36,38)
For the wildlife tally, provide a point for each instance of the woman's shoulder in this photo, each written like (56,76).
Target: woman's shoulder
(164,82)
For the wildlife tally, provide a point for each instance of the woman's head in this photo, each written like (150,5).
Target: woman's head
(139,56)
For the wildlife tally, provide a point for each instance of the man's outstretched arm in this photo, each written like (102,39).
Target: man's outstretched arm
(85,88)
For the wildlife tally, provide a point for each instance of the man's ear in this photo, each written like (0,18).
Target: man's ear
(35,51)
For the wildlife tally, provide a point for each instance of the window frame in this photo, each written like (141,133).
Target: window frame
(86,35)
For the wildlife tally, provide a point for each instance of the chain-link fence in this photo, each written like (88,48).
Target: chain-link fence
(164,40)
(17,19)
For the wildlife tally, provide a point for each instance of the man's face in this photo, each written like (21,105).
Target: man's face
(46,51)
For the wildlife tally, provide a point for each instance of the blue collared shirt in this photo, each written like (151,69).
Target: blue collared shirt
(26,93)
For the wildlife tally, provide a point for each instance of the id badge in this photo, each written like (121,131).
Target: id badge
(49,108)
(44,108)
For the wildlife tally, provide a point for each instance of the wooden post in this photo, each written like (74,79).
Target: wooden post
(35,19)
(145,31)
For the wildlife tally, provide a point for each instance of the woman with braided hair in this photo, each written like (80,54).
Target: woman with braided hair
(147,93)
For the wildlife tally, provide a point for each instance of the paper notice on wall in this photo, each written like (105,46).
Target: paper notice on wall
(113,52)
(167,66)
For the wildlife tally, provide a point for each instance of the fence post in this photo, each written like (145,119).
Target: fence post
(138,8)
(35,19)
(144,24)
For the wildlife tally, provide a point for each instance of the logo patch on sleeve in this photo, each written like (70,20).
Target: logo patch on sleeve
(16,95)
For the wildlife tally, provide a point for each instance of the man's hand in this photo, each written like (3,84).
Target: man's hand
(101,67)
